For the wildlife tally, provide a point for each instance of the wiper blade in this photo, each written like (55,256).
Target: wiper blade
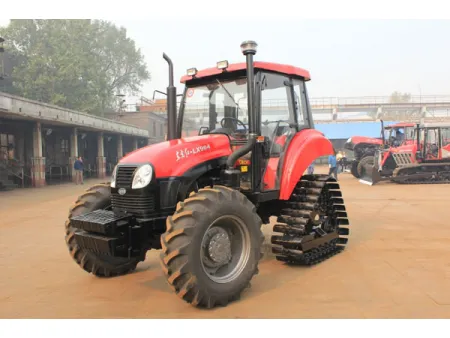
(228,93)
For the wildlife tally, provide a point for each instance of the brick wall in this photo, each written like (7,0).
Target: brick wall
(156,125)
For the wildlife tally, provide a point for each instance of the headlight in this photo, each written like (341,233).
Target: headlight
(113,177)
(142,176)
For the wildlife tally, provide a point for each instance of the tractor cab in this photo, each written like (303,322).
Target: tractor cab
(215,102)
(399,134)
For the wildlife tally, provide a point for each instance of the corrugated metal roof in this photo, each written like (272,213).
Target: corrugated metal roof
(346,130)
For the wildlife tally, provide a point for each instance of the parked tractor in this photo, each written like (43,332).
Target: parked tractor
(202,199)
(362,146)
(426,160)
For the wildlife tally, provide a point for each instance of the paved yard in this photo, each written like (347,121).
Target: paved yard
(396,265)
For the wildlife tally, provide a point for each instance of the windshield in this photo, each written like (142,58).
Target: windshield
(220,106)
(401,134)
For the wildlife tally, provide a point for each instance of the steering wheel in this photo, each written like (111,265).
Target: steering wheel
(233,118)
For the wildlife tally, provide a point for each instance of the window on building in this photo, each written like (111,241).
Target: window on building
(64,145)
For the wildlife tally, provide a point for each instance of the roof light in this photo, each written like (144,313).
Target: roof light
(249,47)
(192,71)
(222,64)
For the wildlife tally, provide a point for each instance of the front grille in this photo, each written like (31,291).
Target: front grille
(140,206)
(124,176)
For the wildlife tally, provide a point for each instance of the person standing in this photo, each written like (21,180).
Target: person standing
(338,160)
(311,169)
(344,161)
(332,163)
(78,166)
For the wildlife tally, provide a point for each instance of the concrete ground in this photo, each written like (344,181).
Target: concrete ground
(396,265)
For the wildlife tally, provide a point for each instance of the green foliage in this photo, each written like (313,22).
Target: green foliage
(78,64)
(397,97)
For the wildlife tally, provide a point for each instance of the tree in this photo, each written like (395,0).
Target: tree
(78,64)
(397,97)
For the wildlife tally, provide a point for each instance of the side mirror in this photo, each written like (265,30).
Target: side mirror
(203,131)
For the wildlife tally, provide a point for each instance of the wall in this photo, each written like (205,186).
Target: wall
(155,124)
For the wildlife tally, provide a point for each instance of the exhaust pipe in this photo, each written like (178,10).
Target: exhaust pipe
(171,103)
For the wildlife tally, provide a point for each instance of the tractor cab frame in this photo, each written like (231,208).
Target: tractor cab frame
(260,129)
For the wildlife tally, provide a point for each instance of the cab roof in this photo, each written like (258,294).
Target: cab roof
(435,125)
(274,67)
(400,125)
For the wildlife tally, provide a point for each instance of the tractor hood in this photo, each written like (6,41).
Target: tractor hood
(173,158)
(355,140)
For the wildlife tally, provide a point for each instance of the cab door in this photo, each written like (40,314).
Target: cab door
(283,107)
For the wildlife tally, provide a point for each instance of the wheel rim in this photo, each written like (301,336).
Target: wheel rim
(225,249)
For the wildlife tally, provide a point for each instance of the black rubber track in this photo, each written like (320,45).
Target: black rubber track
(95,198)
(181,245)
(313,194)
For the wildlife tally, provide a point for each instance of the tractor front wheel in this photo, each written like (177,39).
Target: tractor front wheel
(95,198)
(354,169)
(364,163)
(212,246)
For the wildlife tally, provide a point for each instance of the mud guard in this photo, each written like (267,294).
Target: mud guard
(305,147)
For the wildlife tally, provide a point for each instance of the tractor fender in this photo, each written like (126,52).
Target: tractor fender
(305,147)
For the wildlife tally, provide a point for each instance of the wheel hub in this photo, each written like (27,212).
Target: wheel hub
(225,249)
(219,247)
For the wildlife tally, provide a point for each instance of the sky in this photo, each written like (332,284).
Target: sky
(346,58)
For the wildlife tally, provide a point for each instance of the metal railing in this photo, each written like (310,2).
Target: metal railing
(329,102)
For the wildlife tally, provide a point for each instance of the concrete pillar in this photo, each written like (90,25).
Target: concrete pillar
(37,161)
(135,143)
(423,112)
(73,152)
(20,146)
(334,114)
(101,159)
(119,148)
(379,114)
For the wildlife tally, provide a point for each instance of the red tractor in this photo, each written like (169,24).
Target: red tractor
(424,160)
(202,199)
(362,146)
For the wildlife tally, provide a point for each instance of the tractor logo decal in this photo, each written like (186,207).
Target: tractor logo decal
(186,152)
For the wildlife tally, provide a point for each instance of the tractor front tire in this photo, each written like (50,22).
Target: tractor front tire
(212,246)
(95,198)
(354,169)
(368,160)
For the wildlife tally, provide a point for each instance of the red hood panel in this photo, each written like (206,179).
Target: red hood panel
(175,157)
(364,139)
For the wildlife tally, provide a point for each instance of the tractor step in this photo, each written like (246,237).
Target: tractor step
(100,221)
(302,242)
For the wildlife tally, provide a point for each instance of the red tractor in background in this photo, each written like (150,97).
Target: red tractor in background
(362,146)
(202,199)
(425,160)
